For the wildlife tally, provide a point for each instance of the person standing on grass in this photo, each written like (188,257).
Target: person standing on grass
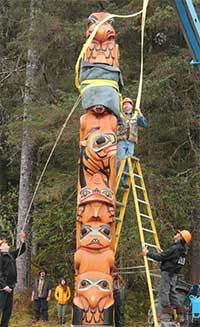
(62,296)
(41,296)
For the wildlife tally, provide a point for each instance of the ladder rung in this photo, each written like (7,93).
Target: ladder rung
(136,175)
(149,230)
(124,189)
(141,201)
(119,204)
(155,275)
(146,216)
(135,158)
(126,173)
(140,187)
(149,259)
(152,245)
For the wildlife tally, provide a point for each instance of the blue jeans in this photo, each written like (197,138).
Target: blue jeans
(124,149)
(61,308)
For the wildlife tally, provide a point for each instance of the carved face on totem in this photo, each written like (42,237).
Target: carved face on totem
(96,211)
(103,48)
(96,191)
(98,143)
(95,225)
(102,145)
(98,155)
(106,31)
(93,295)
(95,208)
(95,236)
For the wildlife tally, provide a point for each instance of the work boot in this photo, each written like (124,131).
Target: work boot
(125,186)
(63,321)
(166,315)
(60,320)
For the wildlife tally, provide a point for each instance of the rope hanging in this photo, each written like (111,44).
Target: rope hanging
(84,48)
(50,155)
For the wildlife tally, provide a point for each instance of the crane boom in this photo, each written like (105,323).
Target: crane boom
(191,27)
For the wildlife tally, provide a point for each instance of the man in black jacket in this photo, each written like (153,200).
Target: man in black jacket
(172,260)
(8,277)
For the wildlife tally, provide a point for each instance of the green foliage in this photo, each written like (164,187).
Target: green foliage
(168,149)
(8,215)
(54,228)
(22,315)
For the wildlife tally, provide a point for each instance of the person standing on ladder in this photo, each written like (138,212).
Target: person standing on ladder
(127,132)
(172,260)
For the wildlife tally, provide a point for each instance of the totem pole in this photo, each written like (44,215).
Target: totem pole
(100,83)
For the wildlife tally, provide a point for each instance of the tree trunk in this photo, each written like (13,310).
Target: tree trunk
(3,172)
(27,159)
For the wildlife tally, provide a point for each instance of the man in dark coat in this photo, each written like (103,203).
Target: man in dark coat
(172,260)
(8,277)
(41,295)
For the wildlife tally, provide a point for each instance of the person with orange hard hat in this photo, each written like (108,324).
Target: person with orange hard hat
(172,260)
(127,132)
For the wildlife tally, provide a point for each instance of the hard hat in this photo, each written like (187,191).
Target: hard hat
(185,235)
(127,100)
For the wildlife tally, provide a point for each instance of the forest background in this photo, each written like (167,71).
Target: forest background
(44,38)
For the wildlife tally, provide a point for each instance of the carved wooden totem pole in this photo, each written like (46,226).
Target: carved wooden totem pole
(100,82)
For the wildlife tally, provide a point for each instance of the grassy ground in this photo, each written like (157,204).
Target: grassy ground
(22,315)
(25,320)
(53,323)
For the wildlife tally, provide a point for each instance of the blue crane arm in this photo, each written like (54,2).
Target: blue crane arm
(191,27)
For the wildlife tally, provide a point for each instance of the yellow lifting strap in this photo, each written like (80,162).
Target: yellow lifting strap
(138,100)
(146,225)
(144,11)
(89,40)
(98,82)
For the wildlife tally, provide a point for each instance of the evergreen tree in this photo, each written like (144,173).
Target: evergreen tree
(33,75)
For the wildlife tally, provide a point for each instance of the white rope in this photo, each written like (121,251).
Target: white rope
(135,267)
(47,162)
(138,100)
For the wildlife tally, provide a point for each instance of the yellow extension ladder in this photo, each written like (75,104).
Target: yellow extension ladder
(146,225)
